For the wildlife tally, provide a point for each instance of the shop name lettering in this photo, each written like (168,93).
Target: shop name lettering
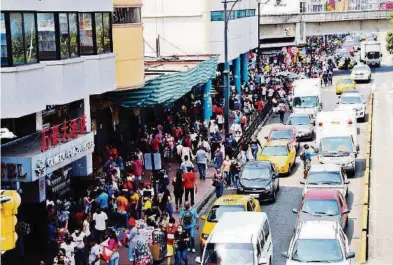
(63,132)
(52,161)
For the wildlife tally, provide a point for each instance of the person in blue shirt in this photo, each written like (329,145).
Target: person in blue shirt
(102,201)
(189,219)
(229,144)
(306,156)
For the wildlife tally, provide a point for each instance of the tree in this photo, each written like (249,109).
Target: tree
(389,36)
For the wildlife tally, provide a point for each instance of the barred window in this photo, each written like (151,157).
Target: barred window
(127,15)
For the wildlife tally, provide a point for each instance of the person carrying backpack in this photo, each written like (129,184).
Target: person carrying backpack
(189,219)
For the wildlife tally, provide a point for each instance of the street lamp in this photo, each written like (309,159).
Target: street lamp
(226,65)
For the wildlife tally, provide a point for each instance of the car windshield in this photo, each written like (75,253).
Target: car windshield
(351,100)
(344,82)
(320,206)
(317,250)
(373,55)
(217,211)
(228,254)
(360,69)
(280,134)
(324,177)
(299,120)
(305,102)
(275,151)
(336,144)
(251,173)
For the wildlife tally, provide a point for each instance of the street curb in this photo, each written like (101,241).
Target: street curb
(366,182)
(209,195)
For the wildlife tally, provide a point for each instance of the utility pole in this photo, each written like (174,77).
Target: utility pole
(259,35)
(226,69)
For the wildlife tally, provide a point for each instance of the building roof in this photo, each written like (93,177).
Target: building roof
(318,229)
(322,194)
(238,227)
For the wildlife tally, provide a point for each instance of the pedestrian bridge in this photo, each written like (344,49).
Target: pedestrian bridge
(299,25)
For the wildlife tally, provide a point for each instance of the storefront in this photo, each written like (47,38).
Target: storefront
(41,164)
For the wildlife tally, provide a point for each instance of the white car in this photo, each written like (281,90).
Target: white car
(355,102)
(326,176)
(321,242)
(361,72)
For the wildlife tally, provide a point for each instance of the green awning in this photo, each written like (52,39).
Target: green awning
(167,88)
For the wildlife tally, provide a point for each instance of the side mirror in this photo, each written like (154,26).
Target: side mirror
(350,255)
(346,211)
(262,261)
(204,217)
(294,210)
(347,182)
(302,182)
(285,254)
(198,260)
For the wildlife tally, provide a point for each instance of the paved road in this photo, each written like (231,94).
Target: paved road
(280,213)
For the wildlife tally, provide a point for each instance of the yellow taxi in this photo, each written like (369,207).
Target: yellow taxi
(281,153)
(226,203)
(345,84)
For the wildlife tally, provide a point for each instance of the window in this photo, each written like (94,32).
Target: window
(86,33)
(103,32)
(23,38)
(266,230)
(217,15)
(259,243)
(249,207)
(240,13)
(46,36)
(252,12)
(4,52)
(68,35)
(127,15)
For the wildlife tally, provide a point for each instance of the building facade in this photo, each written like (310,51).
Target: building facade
(55,55)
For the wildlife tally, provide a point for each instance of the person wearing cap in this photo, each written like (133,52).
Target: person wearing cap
(218,183)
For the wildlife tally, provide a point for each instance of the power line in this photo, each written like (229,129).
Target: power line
(155,52)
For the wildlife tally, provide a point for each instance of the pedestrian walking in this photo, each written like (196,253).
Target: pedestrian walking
(181,240)
(218,183)
(255,144)
(215,143)
(186,164)
(69,247)
(113,245)
(79,238)
(170,230)
(282,108)
(189,219)
(178,189)
(131,234)
(142,254)
(94,255)
(218,158)
(225,169)
(189,185)
(229,145)
(99,217)
(201,160)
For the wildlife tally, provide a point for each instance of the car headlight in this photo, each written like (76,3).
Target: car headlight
(205,236)
(268,187)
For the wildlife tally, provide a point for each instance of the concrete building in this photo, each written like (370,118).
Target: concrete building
(54,55)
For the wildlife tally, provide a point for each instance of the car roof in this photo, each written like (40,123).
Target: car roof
(280,127)
(351,95)
(318,229)
(299,115)
(325,167)
(277,143)
(238,227)
(304,217)
(322,194)
(360,65)
(258,164)
(352,91)
(232,200)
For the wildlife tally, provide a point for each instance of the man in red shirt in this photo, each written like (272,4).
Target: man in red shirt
(189,184)
(171,230)
(155,144)
(137,168)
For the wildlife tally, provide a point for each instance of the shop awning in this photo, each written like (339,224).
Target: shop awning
(173,80)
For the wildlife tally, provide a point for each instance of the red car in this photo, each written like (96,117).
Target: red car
(325,204)
(283,132)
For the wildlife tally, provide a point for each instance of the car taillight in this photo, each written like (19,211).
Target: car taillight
(349,122)
(320,124)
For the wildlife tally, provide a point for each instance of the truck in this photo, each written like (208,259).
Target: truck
(370,53)
(307,96)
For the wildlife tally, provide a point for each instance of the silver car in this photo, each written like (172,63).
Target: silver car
(303,124)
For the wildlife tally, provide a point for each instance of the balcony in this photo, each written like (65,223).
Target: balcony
(29,88)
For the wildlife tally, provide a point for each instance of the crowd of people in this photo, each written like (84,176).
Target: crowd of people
(133,208)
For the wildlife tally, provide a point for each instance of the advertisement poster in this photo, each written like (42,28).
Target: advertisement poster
(42,187)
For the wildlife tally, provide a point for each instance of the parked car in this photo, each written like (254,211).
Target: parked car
(260,180)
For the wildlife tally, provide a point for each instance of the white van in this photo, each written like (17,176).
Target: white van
(330,122)
(307,96)
(338,148)
(239,238)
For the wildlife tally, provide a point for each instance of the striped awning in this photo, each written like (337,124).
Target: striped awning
(167,88)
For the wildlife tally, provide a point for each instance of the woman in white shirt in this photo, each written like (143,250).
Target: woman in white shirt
(79,239)
(86,226)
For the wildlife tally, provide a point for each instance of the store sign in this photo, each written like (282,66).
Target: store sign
(63,156)
(62,133)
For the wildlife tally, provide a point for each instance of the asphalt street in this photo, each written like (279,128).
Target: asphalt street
(280,214)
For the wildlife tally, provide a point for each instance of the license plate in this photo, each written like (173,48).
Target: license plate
(254,195)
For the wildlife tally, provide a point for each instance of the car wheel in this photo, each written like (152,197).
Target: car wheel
(274,196)
(278,186)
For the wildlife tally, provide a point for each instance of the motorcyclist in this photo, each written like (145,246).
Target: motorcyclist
(306,156)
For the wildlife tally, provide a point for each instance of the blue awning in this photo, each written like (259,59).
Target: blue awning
(167,88)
